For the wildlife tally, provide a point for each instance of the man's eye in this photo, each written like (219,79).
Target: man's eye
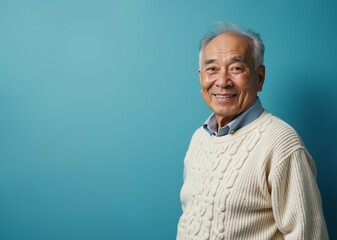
(237,69)
(211,69)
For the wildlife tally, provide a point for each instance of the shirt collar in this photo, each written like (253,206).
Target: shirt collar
(248,116)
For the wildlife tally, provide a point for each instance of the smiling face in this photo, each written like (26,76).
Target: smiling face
(229,81)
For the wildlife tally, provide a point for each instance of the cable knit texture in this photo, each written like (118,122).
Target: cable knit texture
(258,183)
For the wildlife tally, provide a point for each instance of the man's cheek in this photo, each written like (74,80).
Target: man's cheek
(206,84)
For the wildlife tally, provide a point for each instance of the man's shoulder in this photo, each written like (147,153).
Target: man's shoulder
(279,127)
(199,133)
(282,135)
(280,142)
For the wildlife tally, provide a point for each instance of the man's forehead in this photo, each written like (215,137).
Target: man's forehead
(231,45)
(228,41)
(231,36)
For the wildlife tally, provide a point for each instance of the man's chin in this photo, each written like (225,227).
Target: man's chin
(223,112)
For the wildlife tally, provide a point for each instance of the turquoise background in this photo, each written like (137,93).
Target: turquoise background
(99,100)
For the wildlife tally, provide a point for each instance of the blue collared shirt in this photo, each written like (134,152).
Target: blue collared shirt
(248,116)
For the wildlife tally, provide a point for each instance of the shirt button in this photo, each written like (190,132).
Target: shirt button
(232,131)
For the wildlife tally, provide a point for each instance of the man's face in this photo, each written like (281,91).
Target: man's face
(229,81)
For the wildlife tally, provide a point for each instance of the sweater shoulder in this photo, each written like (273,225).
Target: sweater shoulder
(199,132)
(198,135)
(281,139)
(282,133)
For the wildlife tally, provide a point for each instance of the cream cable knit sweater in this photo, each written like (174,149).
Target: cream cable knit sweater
(258,183)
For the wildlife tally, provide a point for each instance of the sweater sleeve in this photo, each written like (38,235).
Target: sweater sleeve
(295,197)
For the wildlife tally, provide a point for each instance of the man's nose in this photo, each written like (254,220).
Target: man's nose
(224,80)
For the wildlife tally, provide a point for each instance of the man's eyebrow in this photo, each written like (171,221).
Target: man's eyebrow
(238,59)
(208,61)
(233,59)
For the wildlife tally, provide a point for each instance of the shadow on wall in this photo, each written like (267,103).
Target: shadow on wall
(316,118)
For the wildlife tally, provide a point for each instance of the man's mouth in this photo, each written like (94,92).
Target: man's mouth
(224,96)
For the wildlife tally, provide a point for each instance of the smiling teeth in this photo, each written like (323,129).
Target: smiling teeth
(223,96)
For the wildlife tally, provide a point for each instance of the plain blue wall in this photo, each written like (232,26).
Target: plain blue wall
(99,100)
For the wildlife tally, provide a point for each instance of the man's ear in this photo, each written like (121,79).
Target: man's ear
(199,71)
(260,77)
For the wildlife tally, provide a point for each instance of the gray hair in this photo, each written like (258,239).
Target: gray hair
(258,45)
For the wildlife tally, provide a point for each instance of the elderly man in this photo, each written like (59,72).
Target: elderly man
(247,173)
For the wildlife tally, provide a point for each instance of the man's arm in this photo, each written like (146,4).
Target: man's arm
(296,199)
